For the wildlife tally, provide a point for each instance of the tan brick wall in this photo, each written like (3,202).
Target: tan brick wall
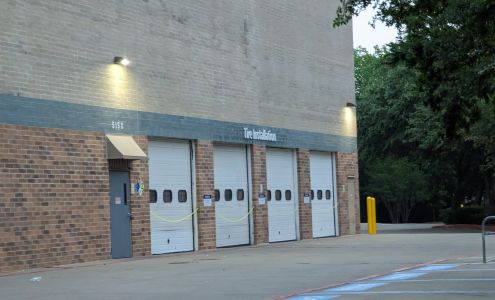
(141,239)
(205,186)
(54,206)
(260,212)
(257,62)
(304,186)
(347,167)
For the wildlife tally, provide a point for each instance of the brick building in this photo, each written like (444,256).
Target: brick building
(230,126)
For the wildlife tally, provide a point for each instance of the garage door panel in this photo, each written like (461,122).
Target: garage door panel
(171,221)
(281,213)
(323,210)
(231,216)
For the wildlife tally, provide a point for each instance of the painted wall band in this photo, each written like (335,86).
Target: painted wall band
(56,114)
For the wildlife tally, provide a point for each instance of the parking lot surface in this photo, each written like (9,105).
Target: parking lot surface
(281,271)
(461,278)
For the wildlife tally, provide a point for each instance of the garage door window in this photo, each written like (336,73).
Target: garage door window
(278,195)
(328,194)
(217,195)
(288,195)
(182,196)
(320,194)
(228,195)
(268,195)
(312,195)
(153,196)
(167,196)
(240,194)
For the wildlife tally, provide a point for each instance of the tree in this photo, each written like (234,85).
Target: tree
(449,48)
(398,184)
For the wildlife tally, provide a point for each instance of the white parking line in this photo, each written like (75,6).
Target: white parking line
(438,279)
(365,287)
(464,270)
(470,292)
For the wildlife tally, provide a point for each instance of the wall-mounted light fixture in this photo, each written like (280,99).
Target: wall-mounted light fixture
(119,60)
(350,104)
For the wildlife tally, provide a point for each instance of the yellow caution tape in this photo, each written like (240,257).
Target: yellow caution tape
(176,220)
(238,219)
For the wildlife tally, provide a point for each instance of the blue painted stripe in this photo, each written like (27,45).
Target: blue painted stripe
(437,267)
(354,287)
(313,297)
(400,276)
(442,292)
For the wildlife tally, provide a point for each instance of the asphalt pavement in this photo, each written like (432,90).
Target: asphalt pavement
(279,271)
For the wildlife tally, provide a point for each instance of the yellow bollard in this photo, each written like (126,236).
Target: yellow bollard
(368,213)
(371,210)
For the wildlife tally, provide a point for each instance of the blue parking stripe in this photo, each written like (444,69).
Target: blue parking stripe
(357,288)
(400,276)
(313,297)
(354,287)
(436,267)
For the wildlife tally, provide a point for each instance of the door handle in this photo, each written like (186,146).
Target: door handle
(130,216)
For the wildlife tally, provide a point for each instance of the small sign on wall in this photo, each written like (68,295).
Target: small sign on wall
(261,199)
(138,187)
(206,200)
(306,198)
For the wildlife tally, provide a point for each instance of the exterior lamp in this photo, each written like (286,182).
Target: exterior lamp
(350,104)
(119,60)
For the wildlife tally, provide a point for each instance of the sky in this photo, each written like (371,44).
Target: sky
(366,36)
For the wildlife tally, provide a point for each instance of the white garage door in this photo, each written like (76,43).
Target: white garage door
(231,195)
(281,195)
(171,209)
(322,194)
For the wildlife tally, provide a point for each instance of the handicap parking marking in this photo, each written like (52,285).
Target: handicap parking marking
(364,287)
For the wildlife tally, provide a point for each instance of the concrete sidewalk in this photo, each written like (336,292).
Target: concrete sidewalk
(381,227)
(269,271)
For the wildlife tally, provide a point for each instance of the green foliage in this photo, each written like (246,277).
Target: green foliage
(470,214)
(449,44)
(398,184)
(482,132)
(430,97)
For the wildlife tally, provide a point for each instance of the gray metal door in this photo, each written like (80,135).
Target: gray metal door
(120,214)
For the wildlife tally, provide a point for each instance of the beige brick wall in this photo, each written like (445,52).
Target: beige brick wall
(54,206)
(347,168)
(304,186)
(54,201)
(258,177)
(205,186)
(54,197)
(141,236)
(254,61)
